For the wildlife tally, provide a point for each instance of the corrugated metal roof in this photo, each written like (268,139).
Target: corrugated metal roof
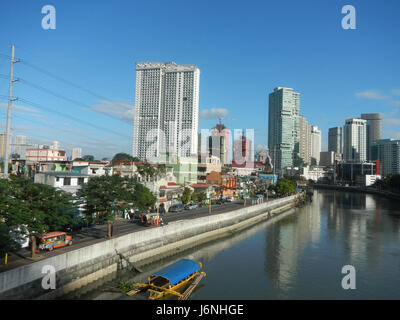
(178,271)
(64,174)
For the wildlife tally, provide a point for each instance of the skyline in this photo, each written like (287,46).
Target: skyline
(238,58)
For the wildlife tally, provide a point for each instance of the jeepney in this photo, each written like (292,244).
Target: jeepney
(52,240)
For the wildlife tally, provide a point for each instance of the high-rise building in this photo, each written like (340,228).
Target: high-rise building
(166,110)
(55,145)
(243,151)
(76,153)
(355,140)
(283,127)
(374,129)
(3,140)
(219,142)
(304,141)
(20,146)
(327,158)
(335,139)
(387,151)
(315,145)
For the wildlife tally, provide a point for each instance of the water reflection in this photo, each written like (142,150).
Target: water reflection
(285,242)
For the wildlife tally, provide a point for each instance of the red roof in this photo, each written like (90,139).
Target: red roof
(242,165)
(259,164)
(200,185)
(172,184)
(139,163)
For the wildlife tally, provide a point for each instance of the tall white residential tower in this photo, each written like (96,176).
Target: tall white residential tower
(76,153)
(355,140)
(166,110)
(315,145)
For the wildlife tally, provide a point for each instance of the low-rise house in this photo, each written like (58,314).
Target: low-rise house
(226,183)
(214,178)
(184,168)
(67,181)
(313,173)
(45,154)
(206,165)
(272,178)
(208,189)
(124,168)
(54,166)
(243,169)
(92,168)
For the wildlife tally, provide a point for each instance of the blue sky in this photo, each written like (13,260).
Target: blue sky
(244,50)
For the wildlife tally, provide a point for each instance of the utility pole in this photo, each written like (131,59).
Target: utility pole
(8,125)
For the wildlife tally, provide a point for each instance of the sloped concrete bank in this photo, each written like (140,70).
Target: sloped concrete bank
(77,268)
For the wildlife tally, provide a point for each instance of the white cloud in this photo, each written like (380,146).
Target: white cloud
(396,92)
(370,94)
(213,113)
(389,120)
(261,147)
(123,110)
(22,110)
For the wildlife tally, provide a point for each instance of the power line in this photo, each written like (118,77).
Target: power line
(52,75)
(70,117)
(23,81)
(64,98)
(46,140)
(57,127)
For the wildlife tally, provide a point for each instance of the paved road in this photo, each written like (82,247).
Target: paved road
(95,234)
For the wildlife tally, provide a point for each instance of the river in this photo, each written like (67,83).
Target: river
(297,255)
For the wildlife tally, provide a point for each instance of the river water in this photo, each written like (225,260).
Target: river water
(298,255)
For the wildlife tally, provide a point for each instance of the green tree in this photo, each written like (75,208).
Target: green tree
(8,243)
(147,171)
(88,158)
(124,157)
(391,183)
(199,196)
(35,208)
(143,198)
(105,195)
(286,187)
(186,196)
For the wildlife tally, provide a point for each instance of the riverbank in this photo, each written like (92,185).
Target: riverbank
(80,267)
(389,195)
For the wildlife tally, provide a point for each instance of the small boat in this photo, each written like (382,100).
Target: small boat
(170,279)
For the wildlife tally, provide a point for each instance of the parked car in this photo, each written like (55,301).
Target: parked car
(191,206)
(219,201)
(176,208)
(229,199)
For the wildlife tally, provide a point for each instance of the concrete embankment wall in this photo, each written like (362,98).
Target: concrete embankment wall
(77,268)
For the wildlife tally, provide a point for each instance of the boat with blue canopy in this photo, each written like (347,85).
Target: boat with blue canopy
(173,277)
